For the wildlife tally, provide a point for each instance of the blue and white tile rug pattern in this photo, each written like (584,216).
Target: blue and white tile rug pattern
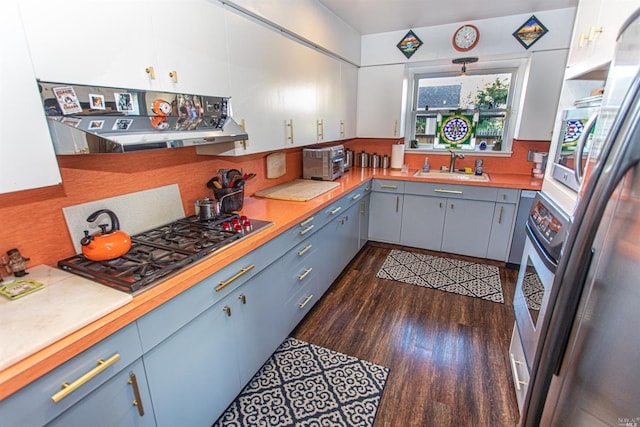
(307,385)
(446,274)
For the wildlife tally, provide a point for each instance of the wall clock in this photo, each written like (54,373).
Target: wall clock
(466,38)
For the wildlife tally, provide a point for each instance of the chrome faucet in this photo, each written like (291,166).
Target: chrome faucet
(454,156)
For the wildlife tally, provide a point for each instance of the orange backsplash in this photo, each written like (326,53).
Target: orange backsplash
(32,220)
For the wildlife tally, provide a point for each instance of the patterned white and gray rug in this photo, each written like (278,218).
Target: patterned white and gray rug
(307,385)
(446,274)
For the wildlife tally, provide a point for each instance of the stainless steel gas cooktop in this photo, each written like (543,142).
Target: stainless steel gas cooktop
(157,252)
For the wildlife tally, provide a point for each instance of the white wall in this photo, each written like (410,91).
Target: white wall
(496,40)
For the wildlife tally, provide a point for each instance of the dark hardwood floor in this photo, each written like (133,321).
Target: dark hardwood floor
(447,353)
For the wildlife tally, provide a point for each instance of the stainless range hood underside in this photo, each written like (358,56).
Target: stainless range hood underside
(90,119)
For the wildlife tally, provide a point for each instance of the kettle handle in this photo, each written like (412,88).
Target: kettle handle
(115,224)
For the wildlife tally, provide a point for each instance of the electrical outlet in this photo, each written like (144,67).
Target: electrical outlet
(530,155)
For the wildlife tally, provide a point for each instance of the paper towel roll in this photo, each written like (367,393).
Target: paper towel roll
(397,156)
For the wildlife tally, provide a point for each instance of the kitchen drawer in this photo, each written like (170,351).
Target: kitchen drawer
(299,304)
(451,191)
(388,186)
(358,194)
(163,321)
(519,369)
(33,405)
(305,228)
(508,195)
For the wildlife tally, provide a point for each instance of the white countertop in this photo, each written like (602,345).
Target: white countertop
(66,303)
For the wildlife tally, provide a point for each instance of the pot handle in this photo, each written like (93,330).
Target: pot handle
(115,224)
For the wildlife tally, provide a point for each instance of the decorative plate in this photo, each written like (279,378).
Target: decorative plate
(573,131)
(456,129)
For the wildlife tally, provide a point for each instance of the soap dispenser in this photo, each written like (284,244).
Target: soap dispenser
(426,167)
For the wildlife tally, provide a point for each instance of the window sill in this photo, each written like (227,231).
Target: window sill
(482,153)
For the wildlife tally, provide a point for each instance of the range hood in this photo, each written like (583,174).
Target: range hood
(90,119)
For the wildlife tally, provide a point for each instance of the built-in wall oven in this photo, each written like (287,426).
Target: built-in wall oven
(546,230)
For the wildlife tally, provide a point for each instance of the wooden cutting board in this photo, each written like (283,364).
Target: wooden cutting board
(299,190)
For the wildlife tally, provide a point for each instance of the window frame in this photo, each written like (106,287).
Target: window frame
(515,92)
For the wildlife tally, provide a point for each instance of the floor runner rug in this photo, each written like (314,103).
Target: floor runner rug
(307,385)
(446,274)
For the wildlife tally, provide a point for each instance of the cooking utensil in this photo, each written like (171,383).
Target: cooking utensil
(107,243)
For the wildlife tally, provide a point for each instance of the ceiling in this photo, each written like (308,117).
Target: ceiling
(381,16)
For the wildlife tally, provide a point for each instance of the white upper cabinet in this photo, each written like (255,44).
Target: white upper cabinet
(161,45)
(27,158)
(285,93)
(596,28)
(382,94)
(347,99)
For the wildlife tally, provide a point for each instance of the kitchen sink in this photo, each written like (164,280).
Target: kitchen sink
(454,176)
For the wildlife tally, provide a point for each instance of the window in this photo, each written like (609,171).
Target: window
(468,112)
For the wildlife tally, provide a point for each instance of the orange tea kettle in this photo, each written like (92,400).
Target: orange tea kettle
(105,244)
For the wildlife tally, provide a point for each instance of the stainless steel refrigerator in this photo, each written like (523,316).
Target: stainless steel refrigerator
(586,370)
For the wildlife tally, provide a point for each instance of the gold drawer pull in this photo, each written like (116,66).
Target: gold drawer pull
(133,381)
(306,221)
(439,190)
(356,197)
(336,210)
(394,187)
(151,72)
(240,273)
(242,298)
(306,230)
(67,388)
(303,275)
(306,301)
(304,250)
(227,310)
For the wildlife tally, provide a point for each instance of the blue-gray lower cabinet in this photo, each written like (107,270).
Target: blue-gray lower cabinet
(47,398)
(423,221)
(196,372)
(122,401)
(385,217)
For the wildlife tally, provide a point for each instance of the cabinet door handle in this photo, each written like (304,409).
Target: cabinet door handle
(514,368)
(67,388)
(336,210)
(451,205)
(439,190)
(320,126)
(242,271)
(133,381)
(393,187)
(356,196)
(290,126)
(500,215)
(306,221)
(151,72)
(363,208)
(342,132)
(174,76)
(242,298)
(397,203)
(395,128)
(227,310)
(304,250)
(306,230)
(306,301)
(306,272)
(440,205)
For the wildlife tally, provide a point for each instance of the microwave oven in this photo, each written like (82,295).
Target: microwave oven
(574,142)
(326,163)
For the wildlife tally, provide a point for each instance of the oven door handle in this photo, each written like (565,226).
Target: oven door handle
(577,168)
(551,264)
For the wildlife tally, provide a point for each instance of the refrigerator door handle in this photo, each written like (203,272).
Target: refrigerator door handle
(577,168)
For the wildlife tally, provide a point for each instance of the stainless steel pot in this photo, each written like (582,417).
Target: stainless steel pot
(207,208)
